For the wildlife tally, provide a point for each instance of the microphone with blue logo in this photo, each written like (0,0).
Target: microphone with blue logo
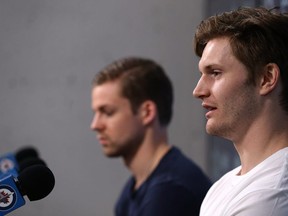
(35,182)
(13,163)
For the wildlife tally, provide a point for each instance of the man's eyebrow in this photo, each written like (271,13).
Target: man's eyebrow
(212,65)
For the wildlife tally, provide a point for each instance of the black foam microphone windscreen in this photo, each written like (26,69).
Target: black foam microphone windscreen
(36,181)
(29,162)
(26,152)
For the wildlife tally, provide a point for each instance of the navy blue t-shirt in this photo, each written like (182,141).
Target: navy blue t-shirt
(176,187)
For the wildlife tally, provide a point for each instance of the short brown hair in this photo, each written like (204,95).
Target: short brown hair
(141,79)
(257,36)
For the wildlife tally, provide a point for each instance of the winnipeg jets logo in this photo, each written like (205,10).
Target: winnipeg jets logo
(6,165)
(7,197)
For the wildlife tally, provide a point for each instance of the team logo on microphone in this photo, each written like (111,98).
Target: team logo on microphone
(7,197)
(6,165)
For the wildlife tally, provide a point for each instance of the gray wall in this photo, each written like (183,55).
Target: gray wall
(49,52)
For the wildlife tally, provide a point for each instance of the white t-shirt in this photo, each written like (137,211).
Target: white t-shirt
(263,191)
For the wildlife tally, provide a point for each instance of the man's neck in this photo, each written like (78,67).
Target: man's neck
(260,142)
(145,161)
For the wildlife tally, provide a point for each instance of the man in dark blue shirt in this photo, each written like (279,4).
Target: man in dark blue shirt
(132,101)
(176,187)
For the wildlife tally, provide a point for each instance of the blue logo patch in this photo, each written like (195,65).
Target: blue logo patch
(8,197)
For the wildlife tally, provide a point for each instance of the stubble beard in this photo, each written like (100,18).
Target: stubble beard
(125,150)
(238,115)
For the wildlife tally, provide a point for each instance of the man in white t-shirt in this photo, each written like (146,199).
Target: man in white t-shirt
(244,88)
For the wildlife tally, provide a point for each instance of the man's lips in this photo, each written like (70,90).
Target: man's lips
(102,140)
(209,109)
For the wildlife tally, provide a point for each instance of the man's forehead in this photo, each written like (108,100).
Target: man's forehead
(217,51)
(108,94)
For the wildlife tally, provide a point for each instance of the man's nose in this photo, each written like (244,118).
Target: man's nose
(200,91)
(96,123)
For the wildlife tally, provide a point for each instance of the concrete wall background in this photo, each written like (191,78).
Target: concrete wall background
(49,52)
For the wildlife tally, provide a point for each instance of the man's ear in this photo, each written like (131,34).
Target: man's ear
(270,78)
(148,111)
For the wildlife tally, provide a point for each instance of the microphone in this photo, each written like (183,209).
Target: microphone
(11,163)
(35,182)
(29,162)
(26,152)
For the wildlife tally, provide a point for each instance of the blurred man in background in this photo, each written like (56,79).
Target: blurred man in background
(132,102)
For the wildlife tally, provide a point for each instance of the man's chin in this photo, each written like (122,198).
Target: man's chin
(112,154)
(212,130)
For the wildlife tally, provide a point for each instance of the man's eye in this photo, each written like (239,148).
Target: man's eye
(215,73)
(109,112)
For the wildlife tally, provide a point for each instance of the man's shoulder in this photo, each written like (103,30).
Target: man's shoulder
(177,165)
(179,175)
